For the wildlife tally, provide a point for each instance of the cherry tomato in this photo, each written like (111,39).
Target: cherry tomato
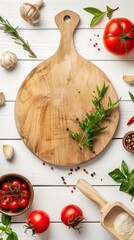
(25,193)
(14,205)
(71,216)
(23,202)
(118,36)
(24,185)
(5,204)
(39,221)
(15,184)
(6,186)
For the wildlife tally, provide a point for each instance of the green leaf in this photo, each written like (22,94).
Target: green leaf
(109,12)
(131,96)
(117,175)
(125,187)
(93,11)
(2,228)
(12,236)
(124,168)
(1,239)
(5,219)
(95,20)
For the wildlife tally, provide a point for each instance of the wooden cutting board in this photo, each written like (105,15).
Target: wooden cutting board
(57,92)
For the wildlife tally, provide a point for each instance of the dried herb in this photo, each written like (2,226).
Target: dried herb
(125,177)
(8,28)
(98,14)
(91,125)
(6,229)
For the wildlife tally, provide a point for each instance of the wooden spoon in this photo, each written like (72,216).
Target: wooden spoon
(56,93)
(109,211)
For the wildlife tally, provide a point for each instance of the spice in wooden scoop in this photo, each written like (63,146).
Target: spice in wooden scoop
(124,225)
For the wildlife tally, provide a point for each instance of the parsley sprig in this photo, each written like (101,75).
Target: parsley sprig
(91,125)
(6,228)
(125,178)
(8,28)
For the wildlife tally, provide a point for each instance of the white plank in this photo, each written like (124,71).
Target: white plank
(27,164)
(59,231)
(8,128)
(45,43)
(53,7)
(54,199)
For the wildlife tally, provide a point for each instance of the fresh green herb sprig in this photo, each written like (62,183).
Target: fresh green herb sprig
(8,28)
(131,96)
(125,178)
(6,229)
(98,14)
(91,125)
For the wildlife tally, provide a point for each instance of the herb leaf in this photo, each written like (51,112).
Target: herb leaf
(117,175)
(6,229)
(5,219)
(8,28)
(124,177)
(98,14)
(131,96)
(91,125)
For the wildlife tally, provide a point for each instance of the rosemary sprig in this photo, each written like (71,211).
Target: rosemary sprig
(91,125)
(8,28)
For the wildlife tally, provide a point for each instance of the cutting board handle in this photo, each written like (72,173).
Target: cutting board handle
(67,22)
(90,192)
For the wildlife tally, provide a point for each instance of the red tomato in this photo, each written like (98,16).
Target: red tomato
(15,184)
(25,193)
(24,185)
(39,221)
(14,205)
(71,216)
(6,186)
(118,36)
(23,202)
(4,204)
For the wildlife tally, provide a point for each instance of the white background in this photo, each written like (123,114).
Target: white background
(51,194)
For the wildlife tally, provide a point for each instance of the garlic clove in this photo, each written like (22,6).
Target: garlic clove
(8,151)
(30,12)
(2,99)
(8,60)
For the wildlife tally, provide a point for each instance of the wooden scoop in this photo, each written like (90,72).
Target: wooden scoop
(109,211)
(128,78)
(56,93)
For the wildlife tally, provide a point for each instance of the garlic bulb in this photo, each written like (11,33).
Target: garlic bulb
(2,99)
(8,60)
(8,151)
(30,12)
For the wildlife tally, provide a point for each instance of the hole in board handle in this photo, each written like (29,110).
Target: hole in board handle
(67,18)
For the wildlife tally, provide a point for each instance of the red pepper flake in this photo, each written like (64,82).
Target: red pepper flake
(44,163)
(99,49)
(130,121)
(72,191)
(94,45)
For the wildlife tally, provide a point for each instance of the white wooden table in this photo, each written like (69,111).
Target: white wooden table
(51,194)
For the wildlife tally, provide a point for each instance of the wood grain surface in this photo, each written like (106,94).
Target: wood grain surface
(54,94)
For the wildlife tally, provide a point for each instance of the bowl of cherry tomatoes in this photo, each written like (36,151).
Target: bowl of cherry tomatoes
(16,194)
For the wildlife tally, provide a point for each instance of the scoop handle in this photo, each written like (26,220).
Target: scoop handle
(67,22)
(90,192)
